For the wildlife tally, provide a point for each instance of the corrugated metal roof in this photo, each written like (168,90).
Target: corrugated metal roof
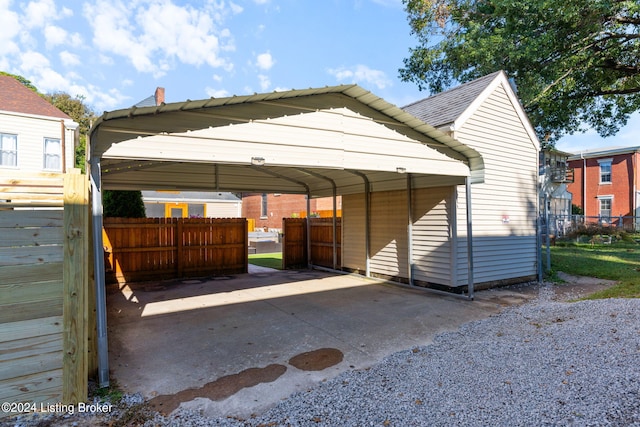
(213,168)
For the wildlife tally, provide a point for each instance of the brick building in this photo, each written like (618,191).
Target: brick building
(267,210)
(606,182)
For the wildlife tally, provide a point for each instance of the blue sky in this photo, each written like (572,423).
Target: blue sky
(115,53)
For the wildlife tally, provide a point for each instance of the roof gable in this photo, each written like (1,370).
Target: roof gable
(17,98)
(454,107)
(444,108)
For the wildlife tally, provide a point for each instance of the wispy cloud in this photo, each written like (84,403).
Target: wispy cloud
(361,74)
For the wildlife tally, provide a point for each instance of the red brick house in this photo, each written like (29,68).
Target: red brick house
(606,182)
(267,210)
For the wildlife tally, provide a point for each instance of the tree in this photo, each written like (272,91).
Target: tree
(123,204)
(574,62)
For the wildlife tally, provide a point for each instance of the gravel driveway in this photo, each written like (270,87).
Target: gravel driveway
(544,363)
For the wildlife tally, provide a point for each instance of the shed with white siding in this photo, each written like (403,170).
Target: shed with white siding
(485,114)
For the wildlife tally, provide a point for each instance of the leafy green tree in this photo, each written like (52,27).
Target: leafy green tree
(575,62)
(123,204)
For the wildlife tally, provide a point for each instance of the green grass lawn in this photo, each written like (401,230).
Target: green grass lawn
(619,261)
(271,260)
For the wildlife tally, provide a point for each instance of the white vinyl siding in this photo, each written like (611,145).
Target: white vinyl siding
(31,132)
(388,243)
(354,256)
(432,235)
(505,205)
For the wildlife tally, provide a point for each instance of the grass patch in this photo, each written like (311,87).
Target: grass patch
(619,262)
(271,260)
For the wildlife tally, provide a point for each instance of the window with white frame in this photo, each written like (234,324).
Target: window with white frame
(8,149)
(606,203)
(605,171)
(263,206)
(52,154)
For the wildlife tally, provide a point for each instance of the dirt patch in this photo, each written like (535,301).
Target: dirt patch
(219,389)
(574,287)
(317,360)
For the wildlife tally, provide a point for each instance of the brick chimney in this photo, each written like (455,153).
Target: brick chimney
(159,95)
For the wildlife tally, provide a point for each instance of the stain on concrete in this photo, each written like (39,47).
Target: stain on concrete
(317,360)
(219,389)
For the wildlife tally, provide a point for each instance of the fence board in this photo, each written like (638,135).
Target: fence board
(33,321)
(294,245)
(35,388)
(154,248)
(322,242)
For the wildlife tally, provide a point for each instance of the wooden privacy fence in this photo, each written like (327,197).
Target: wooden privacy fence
(158,248)
(294,247)
(45,313)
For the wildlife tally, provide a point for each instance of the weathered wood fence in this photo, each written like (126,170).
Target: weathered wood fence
(45,310)
(153,248)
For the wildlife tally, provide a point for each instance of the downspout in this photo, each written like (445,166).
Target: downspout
(99,279)
(467,182)
(335,229)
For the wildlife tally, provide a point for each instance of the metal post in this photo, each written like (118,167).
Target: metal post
(309,230)
(98,259)
(335,231)
(409,230)
(547,238)
(469,239)
(367,225)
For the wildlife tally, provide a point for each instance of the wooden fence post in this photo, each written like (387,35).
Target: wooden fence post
(75,283)
(179,243)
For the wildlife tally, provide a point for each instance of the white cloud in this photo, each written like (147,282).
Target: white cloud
(261,1)
(54,35)
(216,93)
(69,59)
(361,73)
(264,82)
(39,13)
(236,9)
(10,24)
(161,33)
(265,61)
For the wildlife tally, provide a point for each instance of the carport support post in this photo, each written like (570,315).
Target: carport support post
(335,230)
(99,279)
(308,230)
(469,239)
(409,230)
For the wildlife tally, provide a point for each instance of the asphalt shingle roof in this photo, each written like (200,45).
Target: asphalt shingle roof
(445,107)
(16,97)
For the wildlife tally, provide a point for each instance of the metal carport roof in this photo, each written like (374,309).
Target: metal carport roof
(320,142)
(298,141)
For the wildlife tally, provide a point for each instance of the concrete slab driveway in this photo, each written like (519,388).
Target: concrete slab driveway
(233,346)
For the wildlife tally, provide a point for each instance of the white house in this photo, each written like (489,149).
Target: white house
(35,136)
(484,114)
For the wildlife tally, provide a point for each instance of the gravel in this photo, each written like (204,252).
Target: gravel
(544,363)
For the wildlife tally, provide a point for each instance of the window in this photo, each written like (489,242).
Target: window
(605,171)
(8,150)
(52,154)
(263,206)
(605,207)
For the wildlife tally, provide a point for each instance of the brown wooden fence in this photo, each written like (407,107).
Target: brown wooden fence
(46,310)
(294,247)
(153,248)
(321,230)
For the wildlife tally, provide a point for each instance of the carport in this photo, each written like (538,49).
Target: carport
(320,142)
